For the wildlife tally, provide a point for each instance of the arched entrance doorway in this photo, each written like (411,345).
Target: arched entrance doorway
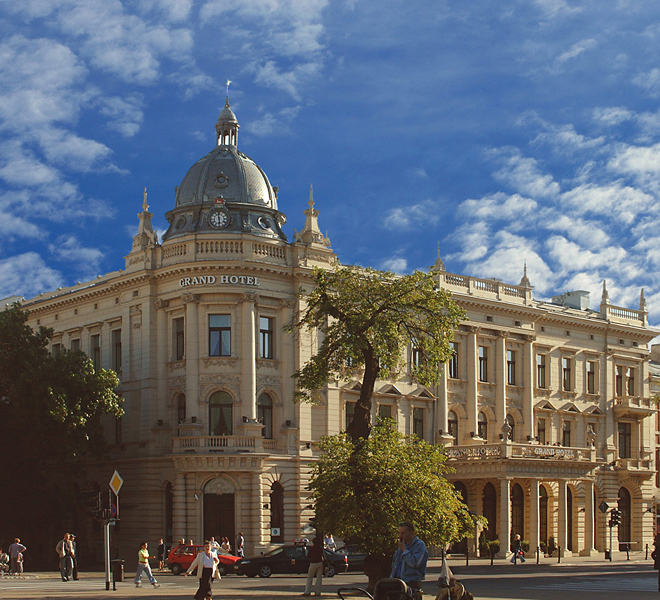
(625,531)
(543,514)
(219,511)
(462,546)
(490,510)
(517,512)
(569,519)
(276,512)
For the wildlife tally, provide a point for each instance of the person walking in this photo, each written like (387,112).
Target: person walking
(206,564)
(65,551)
(16,557)
(143,566)
(517,550)
(655,555)
(240,543)
(226,545)
(160,554)
(74,547)
(410,558)
(315,568)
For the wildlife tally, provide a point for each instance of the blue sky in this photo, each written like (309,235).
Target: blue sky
(503,131)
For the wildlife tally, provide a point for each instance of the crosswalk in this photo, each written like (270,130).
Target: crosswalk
(602,584)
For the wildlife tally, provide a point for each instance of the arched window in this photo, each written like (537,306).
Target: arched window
(276,512)
(625,504)
(221,418)
(459,486)
(517,511)
(512,424)
(265,415)
(181,409)
(482,426)
(489,500)
(452,423)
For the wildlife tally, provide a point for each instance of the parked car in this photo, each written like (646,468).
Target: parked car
(181,557)
(289,558)
(354,555)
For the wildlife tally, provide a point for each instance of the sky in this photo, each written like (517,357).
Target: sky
(504,133)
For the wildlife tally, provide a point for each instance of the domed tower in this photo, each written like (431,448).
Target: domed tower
(225,192)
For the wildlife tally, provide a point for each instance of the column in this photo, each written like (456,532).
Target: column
(505,518)
(249,357)
(472,382)
(500,379)
(161,358)
(179,507)
(589,509)
(562,528)
(534,514)
(442,426)
(607,400)
(192,356)
(528,389)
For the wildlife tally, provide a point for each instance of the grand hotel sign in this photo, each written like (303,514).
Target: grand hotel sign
(221,280)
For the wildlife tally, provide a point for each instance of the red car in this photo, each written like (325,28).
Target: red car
(181,557)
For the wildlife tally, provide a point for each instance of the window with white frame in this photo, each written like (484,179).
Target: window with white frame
(266,336)
(219,335)
(511,367)
(418,422)
(618,381)
(453,361)
(541,361)
(630,381)
(179,339)
(591,377)
(483,363)
(567,374)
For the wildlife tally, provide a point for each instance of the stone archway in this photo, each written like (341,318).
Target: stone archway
(219,509)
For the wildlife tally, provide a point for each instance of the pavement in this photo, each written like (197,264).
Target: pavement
(573,578)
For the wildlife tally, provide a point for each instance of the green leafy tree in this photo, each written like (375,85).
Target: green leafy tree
(367,319)
(362,491)
(50,421)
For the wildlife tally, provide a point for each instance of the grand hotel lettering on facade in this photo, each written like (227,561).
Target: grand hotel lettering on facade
(544,407)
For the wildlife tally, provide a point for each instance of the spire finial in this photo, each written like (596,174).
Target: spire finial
(438,265)
(145,206)
(525,280)
(311,196)
(227,100)
(605,297)
(642,301)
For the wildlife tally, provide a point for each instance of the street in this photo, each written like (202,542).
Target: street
(575,579)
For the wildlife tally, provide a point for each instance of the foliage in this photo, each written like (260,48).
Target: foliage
(50,412)
(362,491)
(367,319)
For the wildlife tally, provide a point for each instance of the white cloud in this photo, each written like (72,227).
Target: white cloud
(523,174)
(588,233)
(574,51)
(269,123)
(556,8)
(649,81)
(397,265)
(125,114)
(26,275)
(613,115)
(637,160)
(67,248)
(412,216)
(609,200)
(498,206)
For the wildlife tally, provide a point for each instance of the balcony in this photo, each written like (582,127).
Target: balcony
(633,407)
(514,451)
(228,444)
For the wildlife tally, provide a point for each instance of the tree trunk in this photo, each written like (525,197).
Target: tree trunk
(376,567)
(360,426)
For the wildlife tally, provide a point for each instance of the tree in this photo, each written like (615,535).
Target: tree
(367,319)
(50,422)
(362,491)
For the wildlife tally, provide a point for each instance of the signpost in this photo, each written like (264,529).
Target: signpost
(109,518)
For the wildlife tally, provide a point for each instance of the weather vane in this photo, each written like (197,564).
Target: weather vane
(228,82)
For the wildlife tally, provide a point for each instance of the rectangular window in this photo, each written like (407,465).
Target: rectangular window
(567,374)
(630,382)
(350,411)
(116,350)
(566,434)
(540,431)
(453,361)
(385,411)
(483,363)
(541,360)
(511,367)
(266,334)
(591,377)
(75,345)
(415,355)
(179,339)
(219,335)
(625,440)
(95,350)
(618,382)
(55,350)
(418,422)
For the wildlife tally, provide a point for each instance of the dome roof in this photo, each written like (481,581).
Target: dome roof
(226,173)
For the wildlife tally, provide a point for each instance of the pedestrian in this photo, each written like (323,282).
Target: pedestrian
(74,547)
(160,554)
(65,551)
(226,544)
(240,543)
(655,555)
(206,563)
(143,566)
(315,568)
(16,556)
(215,547)
(410,558)
(329,542)
(517,550)
(4,562)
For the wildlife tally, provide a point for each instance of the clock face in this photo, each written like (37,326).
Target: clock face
(263,223)
(219,219)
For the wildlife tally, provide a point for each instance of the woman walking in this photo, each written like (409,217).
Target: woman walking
(143,566)
(206,564)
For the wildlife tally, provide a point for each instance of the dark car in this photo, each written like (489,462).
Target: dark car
(290,558)
(354,555)
(181,557)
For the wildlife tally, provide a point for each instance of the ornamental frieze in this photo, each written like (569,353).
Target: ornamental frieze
(217,362)
(268,363)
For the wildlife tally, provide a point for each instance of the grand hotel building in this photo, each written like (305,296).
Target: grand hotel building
(544,407)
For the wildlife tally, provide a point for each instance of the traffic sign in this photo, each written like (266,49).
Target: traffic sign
(603,507)
(116,482)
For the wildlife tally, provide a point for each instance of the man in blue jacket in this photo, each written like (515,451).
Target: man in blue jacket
(410,558)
